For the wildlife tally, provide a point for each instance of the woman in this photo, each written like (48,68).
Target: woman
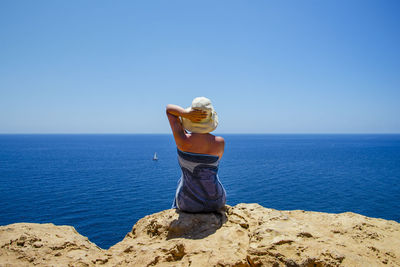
(199,153)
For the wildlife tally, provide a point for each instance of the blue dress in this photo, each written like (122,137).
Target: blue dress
(199,189)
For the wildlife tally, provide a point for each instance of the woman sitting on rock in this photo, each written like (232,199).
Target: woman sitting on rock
(199,153)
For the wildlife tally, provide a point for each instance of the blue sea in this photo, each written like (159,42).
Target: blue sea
(103,184)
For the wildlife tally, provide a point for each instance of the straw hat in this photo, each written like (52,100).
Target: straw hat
(206,125)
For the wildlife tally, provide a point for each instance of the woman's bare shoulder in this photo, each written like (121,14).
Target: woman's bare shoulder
(219,144)
(219,140)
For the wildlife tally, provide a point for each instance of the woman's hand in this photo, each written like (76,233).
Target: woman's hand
(195,115)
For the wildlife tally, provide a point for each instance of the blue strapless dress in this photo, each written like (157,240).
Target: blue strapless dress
(199,189)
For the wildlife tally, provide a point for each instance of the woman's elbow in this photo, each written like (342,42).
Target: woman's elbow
(167,108)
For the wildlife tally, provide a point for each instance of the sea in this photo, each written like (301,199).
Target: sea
(102,184)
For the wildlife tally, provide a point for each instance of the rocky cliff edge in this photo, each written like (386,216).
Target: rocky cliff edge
(244,235)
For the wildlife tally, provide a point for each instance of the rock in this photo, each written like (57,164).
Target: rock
(30,244)
(243,235)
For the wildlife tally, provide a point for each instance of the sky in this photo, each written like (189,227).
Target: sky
(268,66)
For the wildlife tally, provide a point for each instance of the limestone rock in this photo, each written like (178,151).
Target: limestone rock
(30,244)
(243,235)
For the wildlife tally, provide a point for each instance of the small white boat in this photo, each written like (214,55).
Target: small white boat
(155,156)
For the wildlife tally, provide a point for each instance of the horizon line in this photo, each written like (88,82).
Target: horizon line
(300,133)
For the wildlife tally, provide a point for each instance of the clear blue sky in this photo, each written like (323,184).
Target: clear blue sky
(268,66)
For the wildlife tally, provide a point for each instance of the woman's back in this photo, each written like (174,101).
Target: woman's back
(203,144)
(199,189)
(199,152)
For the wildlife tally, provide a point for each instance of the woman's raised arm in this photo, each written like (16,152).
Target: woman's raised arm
(173,114)
(193,115)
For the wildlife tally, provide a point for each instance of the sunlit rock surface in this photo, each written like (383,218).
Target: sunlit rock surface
(244,235)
